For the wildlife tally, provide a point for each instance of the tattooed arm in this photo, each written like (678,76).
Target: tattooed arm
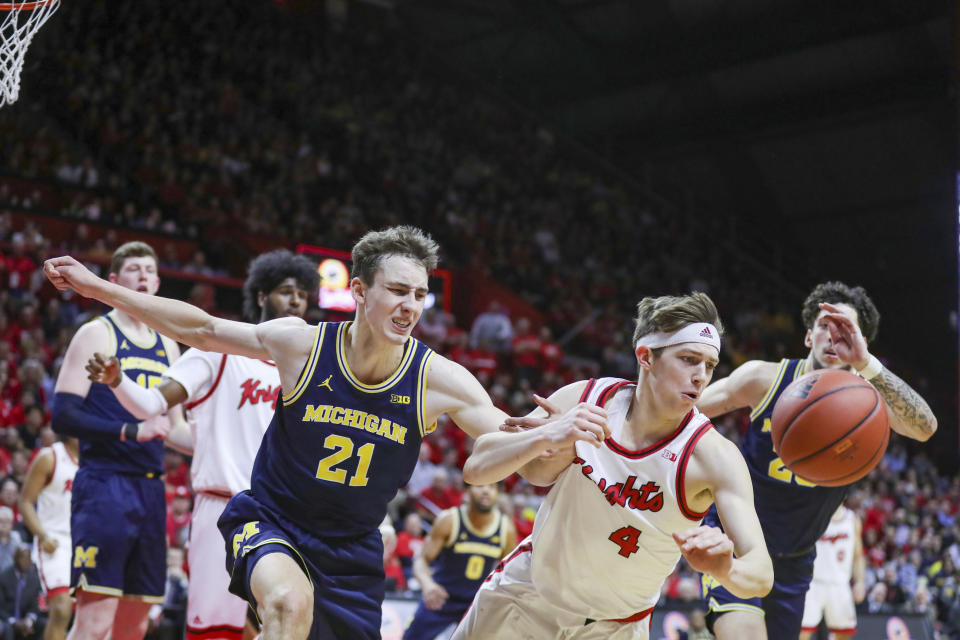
(910,415)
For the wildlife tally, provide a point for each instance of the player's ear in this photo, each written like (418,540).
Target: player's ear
(112,277)
(644,357)
(261,298)
(807,340)
(358,289)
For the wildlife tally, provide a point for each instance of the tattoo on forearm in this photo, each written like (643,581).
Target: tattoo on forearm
(905,403)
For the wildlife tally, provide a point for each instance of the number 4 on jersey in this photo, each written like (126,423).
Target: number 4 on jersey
(626,538)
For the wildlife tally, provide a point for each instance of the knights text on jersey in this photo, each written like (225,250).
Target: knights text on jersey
(145,364)
(602,543)
(337,450)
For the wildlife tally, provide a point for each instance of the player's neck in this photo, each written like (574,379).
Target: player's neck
(371,360)
(480,520)
(647,421)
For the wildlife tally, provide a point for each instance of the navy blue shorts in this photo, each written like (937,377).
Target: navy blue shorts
(118,529)
(782,608)
(427,623)
(346,572)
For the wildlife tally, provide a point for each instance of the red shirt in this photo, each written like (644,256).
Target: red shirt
(19,268)
(407,545)
(526,350)
(177,528)
(443,499)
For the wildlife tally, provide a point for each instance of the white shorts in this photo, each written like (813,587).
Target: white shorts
(212,611)
(508,605)
(832,601)
(54,568)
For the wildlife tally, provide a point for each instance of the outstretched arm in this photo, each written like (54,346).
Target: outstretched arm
(744,387)
(910,415)
(737,556)
(539,454)
(181,321)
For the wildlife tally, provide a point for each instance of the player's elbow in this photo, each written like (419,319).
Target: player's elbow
(64,406)
(474,472)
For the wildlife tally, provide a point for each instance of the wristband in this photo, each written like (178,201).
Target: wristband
(872,370)
(129,431)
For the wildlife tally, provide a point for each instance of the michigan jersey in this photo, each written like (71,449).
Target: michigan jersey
(338,449)
(468,555)
(793,511)
(145,364)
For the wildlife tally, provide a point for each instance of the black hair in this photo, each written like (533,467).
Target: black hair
(268,270)
(833,292)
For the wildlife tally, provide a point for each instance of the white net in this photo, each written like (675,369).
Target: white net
(20,21)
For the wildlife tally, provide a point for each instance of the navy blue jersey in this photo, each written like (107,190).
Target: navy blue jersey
(337,450)
(793,512)
(145,363)
(467,558)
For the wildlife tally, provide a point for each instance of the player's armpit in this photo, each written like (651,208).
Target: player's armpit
(719,466)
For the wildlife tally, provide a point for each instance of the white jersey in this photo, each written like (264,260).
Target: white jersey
(230,402)
(835,549)
(602,543)
(53,501)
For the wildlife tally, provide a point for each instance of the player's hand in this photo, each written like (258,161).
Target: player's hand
(859,591)
(848,341)
(707,550)
(47,544)
(584,422)
(523,423)
(434,596)
(152,428)
(104,370)
(66,273)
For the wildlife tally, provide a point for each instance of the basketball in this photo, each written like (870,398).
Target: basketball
(830,427)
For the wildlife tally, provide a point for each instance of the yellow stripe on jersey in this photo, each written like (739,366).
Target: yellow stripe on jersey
(486,533)
(152,340)
(411,348)
(771,391)
(478,549)
(113,336)
(307,374)
(425,429)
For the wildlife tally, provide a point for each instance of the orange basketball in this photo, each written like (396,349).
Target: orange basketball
(830,427)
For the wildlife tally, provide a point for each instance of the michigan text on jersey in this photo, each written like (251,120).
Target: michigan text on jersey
(356,419)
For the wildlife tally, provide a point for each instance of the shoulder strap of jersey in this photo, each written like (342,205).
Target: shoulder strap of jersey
(213,385)
(308,367)
(771,390)
(455,529)
(682,470)
(425,358)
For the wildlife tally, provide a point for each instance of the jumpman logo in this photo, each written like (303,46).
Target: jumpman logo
(326,383)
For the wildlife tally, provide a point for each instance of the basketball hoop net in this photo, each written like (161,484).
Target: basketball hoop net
(19,21)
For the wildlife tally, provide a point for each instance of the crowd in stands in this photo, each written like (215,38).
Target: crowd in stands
(234,121)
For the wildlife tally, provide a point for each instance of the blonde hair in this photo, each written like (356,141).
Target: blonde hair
(670,313)
(135,249)
(406,241)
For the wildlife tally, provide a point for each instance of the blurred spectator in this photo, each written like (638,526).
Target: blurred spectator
(178,518)
(20,598)
(698,627)
(492,329)
(526,351)
(168,621)
(409,541)
(438,496)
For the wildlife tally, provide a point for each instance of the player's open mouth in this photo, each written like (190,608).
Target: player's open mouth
(401,325)
(142,288)
(691,395)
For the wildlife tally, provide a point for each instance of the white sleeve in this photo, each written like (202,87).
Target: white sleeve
(195,370)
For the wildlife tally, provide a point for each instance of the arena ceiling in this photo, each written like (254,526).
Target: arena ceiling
(824,129)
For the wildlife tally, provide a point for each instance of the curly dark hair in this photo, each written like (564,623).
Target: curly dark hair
(833,292)
(268,270)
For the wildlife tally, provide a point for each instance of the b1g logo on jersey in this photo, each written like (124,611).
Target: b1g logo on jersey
(396,398)
(251,392)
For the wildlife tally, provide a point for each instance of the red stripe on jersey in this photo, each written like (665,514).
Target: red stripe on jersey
(588,389)
(53,469)
(213,387)
(607,393)
(53,593)
(209,633)
(223,494)
(682,469)
(849,632)
(503,563)
(614,446)
(637,617)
